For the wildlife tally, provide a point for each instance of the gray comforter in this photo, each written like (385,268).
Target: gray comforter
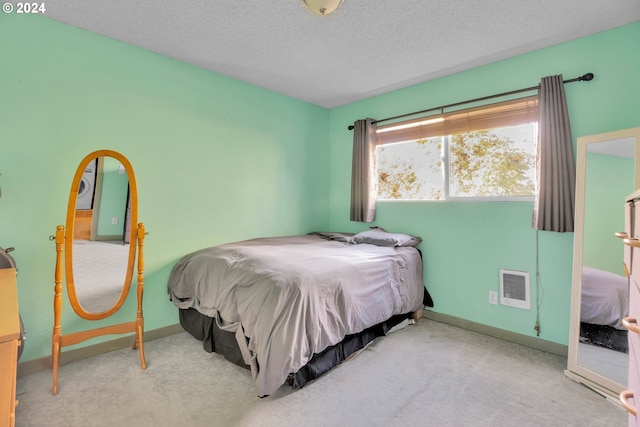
(605,298)
(287,298)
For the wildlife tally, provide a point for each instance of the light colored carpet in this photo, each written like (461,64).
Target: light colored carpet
(428,374)
(604,361)
(99,270)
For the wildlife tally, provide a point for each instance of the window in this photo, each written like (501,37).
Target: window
(483,153)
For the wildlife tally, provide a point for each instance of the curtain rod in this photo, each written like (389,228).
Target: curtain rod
(587,77)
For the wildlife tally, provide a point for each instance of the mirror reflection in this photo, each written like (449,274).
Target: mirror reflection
(101,234)
(609,178)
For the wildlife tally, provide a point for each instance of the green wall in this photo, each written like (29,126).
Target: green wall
(113,199)
(609,179)
(466,244)
(216,160)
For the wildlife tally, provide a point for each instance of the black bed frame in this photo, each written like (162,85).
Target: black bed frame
(604,336)
(214,339)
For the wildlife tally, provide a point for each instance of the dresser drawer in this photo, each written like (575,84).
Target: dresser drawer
(633,245)
(632,322)
(628,232)
(634,219)
(9,335)
(630,398)
(628,217)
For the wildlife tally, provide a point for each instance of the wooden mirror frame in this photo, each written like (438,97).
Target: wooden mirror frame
(63,239)
(69,236)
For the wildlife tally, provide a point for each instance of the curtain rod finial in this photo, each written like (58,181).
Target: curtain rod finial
(587,77)
(350,127)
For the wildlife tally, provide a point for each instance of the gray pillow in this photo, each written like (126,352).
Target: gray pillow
(380,237)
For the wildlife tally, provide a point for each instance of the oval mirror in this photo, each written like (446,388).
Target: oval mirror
(100,244)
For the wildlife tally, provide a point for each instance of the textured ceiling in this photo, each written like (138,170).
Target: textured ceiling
(365,48)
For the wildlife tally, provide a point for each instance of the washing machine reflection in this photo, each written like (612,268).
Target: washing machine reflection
(87,187)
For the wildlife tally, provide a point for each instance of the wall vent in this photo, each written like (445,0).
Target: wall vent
(514,289)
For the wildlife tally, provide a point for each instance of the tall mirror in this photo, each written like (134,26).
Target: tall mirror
(606,172)
(99,248)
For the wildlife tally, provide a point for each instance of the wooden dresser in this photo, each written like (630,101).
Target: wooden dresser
(9,342)
(630,398)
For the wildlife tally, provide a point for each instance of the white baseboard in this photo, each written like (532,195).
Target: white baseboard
(528,341)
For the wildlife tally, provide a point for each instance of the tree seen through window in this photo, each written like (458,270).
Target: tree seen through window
(489,163)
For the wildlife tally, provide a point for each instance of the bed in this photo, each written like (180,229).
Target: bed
(290,308)
(604,303)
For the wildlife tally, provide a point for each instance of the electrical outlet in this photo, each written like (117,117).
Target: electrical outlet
(493,297)
(114,220)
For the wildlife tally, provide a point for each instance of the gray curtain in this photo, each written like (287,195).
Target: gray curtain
(363,177)
(554,204)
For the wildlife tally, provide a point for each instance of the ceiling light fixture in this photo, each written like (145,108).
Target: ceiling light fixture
(322,7)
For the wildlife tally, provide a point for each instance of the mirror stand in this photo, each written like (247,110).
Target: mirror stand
(99,248)
(59,340)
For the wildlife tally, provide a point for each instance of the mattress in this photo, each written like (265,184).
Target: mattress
(604,298)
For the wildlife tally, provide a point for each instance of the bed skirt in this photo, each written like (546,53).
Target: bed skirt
(214,339)
(604,336)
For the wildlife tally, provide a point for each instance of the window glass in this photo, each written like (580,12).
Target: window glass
(411,170)
(496,163)
(493,163)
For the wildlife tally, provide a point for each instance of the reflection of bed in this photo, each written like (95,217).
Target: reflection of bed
(274,303)
(604,303)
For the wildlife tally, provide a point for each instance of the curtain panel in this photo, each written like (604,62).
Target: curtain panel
(555,167)
(363,176)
